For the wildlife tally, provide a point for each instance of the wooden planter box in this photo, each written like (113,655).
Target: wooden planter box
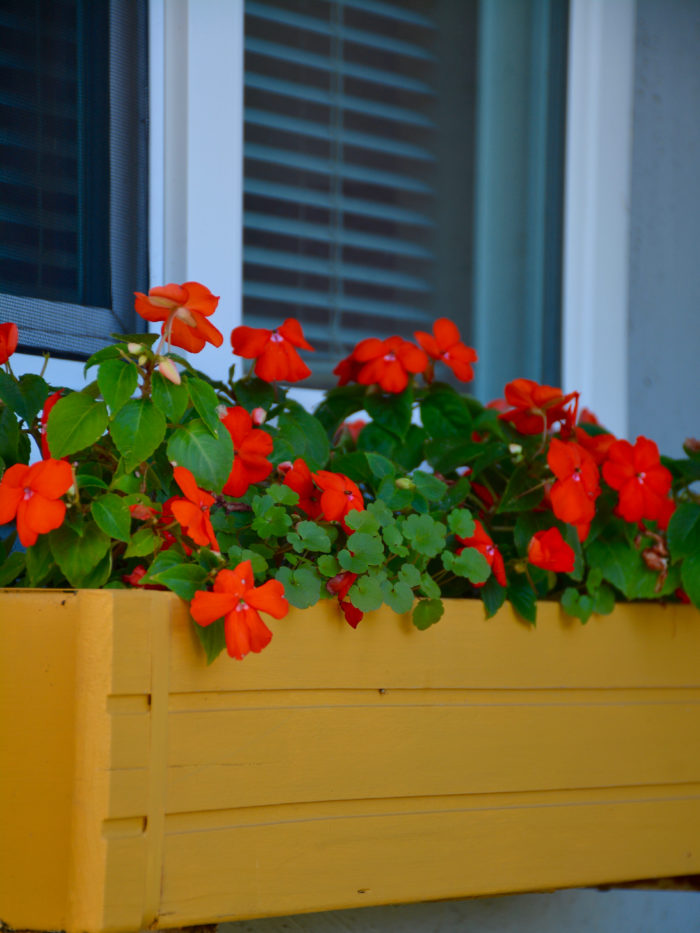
(340,768)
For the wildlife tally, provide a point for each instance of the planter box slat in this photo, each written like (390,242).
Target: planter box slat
(339,768)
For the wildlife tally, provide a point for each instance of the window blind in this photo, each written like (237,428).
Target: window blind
(340,169)
(73,119)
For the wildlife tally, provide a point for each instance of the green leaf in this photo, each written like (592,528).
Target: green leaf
(353,465)
(88,482)
(379,466)
(526,524)
(427,612)
(362,520)
(461,523)
(576,604)
(113,516)
(445,414)
(366,593)
(9,436)
(137,429)
(25,396)
(237,555)
(410,452)
(78,554)
(205,401)
(169,398)
(622,565)
(352,563)
(96,578)
(305,434)
(302,586)
(410,575)
(183,579)
(493,595)
(366,547)
(400,597)
(328,565)
(429,587)
(522,492)
(271,520)
(394,540)
(684,531)
(142,543)
(117,380)
(283,495)
(391,412)
(255,393)
(40,561)
(338,404)
(523,598)
(208,458)
(106,353)
(313,537)
(212,638)
(429,486)
(426,535)
(76,421)
(377,440)
(690,578)
(144,339)
(378,510)
(603,600)
(470,564)
(11,568)
(571,537)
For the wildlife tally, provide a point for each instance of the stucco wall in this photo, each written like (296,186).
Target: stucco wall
(664,283)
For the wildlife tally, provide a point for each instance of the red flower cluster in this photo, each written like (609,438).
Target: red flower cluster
(324,494)
(238,601)
(446,345)
(388,363)
(184,310)
(482,542)
(9,335)
(251,447)
(339,586)
(32,494)
(535,408)
(274,351)
(192,512)
(577,487)
(548,550)
(642,482)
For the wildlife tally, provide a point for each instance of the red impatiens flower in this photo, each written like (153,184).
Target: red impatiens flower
(597,445)
(482,542)
(136,576)
(301,480)
(276,359)
(339,585)
(446,345)
(238,601)
(48,405)
(184,310)
(193,512)
(347,370)
(387,363)
(339,495)
(642,482)
(251,448)
(548,550)
(33,495)
(573,495)
(9,335)
(537,407)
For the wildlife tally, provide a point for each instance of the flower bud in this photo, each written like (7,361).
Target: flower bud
(168,370)
(135,348)
(405,482)
(142,359)
(258,415)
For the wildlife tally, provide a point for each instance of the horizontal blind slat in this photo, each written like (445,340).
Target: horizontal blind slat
(403,14)
(301,296)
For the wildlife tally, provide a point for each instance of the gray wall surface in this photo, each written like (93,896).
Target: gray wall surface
(664,281)
(563,912)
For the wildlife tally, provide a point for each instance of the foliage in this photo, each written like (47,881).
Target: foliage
(394,491)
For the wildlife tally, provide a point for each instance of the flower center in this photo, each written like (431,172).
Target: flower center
(276,338)
(28,493)
(641,477)
(389,357)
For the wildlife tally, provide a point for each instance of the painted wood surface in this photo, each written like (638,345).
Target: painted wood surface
(339,768)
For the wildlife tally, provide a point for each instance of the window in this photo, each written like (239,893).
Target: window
(404,161)
(73,119)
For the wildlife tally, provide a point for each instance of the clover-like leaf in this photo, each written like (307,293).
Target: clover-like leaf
(427,612)
(426,535)
(366,547)
(460,522)
(366,593)
(302,586)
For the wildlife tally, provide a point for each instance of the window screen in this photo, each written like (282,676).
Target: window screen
(73,118)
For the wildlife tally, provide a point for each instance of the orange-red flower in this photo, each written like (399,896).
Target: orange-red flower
(577,487)
(536,408)
(548,550)
(184,310)
(597,445)
(339,495)
(301,480)
(193,512)
(347,370)
(387,363)
(238,601)
(33,495)
(274,351)
(339,586)
(446,345)
(642,482)
(48,405)
(482,542)
(251,448)
(9,335)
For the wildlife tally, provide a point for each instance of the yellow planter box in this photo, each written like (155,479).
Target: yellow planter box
(339,768)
